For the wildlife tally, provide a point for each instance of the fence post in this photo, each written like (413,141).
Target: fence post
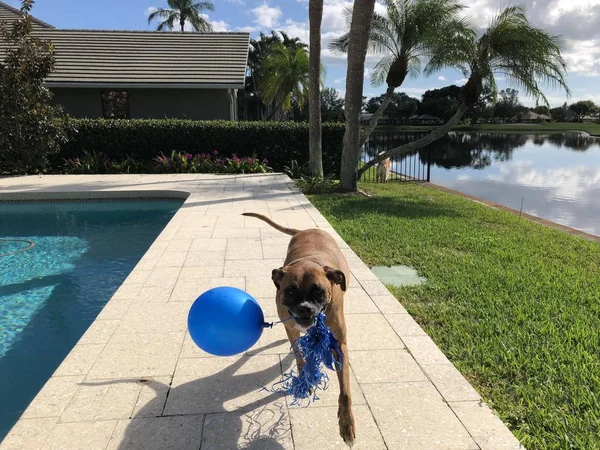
(429,163)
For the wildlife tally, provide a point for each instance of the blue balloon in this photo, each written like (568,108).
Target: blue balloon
(225,321)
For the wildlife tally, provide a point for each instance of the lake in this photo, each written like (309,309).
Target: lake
(554,176)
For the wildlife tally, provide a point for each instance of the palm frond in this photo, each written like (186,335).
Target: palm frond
(203,6)
(159,14)
(199,23)
(381,70)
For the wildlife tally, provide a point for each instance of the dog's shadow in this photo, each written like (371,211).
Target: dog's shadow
(174,421)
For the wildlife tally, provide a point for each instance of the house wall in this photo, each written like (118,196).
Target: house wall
(198,104)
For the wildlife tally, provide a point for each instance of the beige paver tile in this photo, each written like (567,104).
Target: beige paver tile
(28,434)
(251,267)
(450,382)
(266,428)
(486,428)
(191,350)
(146,264)
(388,304)
(53,398)
(356,301)
(138,355)
(236,233)
(152,398)
(80,435)
(80,360)
(424,350)
(275,248)
(371,332)
(414,415)
(115,309)
(154,318)
(233,220)
(405,325)
(204,259)
(317,428)
(374,287)
(209,245)
(102,400)
(181,433)
(179,244)
(213,271)
(164,277)
(99,332)
(261,286)
(214,385)
(385,366)
(154,294)
(244,249)
(172,259)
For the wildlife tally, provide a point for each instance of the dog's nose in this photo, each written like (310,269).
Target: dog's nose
(304,311)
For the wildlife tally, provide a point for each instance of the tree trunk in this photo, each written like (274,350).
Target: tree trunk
(360,28)
(375,119)
(419,143)
(182,24)
(315,150)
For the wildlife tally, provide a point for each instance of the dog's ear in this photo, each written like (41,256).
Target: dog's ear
(277,275)
(337,276)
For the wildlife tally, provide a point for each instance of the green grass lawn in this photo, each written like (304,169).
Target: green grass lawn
(592,128)
(515,305)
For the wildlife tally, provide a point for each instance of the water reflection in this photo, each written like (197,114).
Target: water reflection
(557,176)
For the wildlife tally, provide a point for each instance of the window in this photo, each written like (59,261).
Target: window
(115,105)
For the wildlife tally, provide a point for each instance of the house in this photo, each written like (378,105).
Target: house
(426,119)
(531,116)
(144,74)
(591,118)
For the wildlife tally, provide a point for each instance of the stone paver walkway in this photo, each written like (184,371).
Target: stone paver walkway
(135,380)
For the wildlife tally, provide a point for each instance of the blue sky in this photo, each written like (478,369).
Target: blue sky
(578,21)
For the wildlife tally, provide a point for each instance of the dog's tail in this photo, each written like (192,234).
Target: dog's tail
(278,227)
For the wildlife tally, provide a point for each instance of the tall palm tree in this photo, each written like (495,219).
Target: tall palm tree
(182,11)
(358,43)
(525,55)
(315,150)
(411,31)
(283,76)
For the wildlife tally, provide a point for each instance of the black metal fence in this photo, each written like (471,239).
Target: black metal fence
(415,166)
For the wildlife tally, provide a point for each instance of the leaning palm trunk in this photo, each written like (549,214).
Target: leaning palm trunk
(469,94)
(375,119)
(357,53)
(315,151)
(419,143)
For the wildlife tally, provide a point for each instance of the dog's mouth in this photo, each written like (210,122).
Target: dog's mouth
(304,322)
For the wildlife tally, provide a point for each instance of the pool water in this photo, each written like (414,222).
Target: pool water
(51,292)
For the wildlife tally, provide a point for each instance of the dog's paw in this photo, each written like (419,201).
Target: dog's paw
(347,431)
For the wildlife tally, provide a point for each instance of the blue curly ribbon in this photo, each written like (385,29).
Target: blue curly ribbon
(318,347)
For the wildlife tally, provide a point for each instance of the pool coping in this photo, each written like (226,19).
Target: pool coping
(43,424)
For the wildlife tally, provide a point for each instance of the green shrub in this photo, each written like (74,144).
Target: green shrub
(317,185)
(100,163)
(144,139)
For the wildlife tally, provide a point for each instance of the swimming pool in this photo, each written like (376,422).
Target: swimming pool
(60,263)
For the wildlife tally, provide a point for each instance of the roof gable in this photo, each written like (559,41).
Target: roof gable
(9,14)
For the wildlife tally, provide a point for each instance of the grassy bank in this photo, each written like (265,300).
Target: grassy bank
(515,305)
(559,127)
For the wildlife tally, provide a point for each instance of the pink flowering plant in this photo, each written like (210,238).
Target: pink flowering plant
(213,162)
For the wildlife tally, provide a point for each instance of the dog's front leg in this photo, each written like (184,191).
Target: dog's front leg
(345,416)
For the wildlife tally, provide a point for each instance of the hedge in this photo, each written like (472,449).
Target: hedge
(144,139)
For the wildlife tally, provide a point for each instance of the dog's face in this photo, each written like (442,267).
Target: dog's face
(306,289)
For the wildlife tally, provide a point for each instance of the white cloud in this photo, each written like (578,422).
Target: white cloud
(461,81)
(339,80)
(267,16)
(442,78)
(366,73)
(237,2)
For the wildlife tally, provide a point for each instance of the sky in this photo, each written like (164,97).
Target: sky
(577,21)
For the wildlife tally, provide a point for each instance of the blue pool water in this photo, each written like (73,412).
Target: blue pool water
(51,292)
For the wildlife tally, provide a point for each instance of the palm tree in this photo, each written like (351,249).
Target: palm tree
(283,76)
(358,43)
(315,150)
(525,55)
(182,11)
(412,30)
